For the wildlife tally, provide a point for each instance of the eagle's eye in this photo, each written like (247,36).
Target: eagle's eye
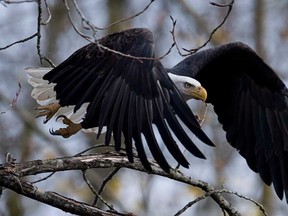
(187,85)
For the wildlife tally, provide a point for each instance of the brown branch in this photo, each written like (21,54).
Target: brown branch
(39,24)
(128,18)
(17,2)
(86,37)
(73,24)
(189,51)
(48,12)
(38,33)
(221,191)
(194,50)
(95,28)
(84,162)
(14,100)
(105,181)
(19,41)
(9,180)
(96,193)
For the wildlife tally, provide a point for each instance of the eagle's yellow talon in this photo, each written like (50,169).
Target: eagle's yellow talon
(48,111)
(68,131)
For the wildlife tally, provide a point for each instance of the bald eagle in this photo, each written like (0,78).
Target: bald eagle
(124,90)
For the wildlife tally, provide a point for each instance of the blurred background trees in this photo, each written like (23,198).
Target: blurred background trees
(262,24)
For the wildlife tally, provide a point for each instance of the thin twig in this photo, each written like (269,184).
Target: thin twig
(85,20)
(44,178)
(104,182)
(73,24)
(86,37)
(262,209)
(126,19)
(17,2)
(48,12)
(90,40)
(194,50)
(201,121)
(19,41)
(95,28)
(14,100)
(230,7)
(221,191)
(39,30)
(38,34)
(95,192)
(88,149)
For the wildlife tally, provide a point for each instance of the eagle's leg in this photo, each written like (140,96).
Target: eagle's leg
(48,111)
(68,131)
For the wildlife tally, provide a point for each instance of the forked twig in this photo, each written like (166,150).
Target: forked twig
(194,50)
(95,192)
(221,191)
(104,182)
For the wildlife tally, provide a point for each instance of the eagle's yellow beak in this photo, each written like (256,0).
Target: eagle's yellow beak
(198,93)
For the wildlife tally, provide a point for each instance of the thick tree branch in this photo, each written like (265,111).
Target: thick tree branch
(10,176)
(9,180)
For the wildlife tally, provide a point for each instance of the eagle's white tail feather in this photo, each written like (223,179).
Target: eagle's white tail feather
(79,114)
(43,92)
(35,81)
(47,102)
(37,72)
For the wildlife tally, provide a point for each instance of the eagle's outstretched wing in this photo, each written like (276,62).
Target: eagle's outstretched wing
(251,103)
(127,95)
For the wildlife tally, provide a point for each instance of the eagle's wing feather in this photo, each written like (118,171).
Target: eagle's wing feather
(127,96)
(251,103)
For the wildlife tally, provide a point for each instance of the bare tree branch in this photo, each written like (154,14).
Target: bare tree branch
(17,2)
(39,24)
(11,174)
(193,50)
(9,180)
(14,100)
(221,191)
(105,181)
(128,18)
(19,41)
(96,193)
(95,28)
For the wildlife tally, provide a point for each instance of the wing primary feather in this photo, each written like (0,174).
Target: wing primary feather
(137,133)
(179,105)
(167,137)
(151,140)
(115,113)
(188,118)
(271,156)
(140,149)
(249,132)
(177,128)
(140,112)
(276,176)
(107,104)
(128,129)
(181,134)
(262,165)
(75,80)
(118,127)
(100,84)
